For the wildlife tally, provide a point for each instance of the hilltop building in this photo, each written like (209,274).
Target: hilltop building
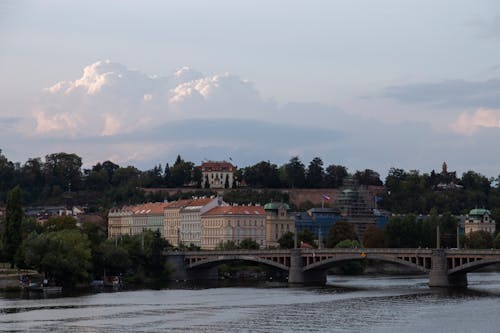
(217,174)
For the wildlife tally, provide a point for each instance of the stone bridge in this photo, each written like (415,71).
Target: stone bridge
(445,267)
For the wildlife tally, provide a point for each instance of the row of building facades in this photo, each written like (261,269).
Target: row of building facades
(209,222)
(203,222)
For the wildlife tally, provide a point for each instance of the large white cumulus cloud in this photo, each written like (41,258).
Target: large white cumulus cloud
(109,99)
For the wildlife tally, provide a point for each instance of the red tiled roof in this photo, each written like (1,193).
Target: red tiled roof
(149,208)
(237,210)
(200,202)
(179,203)
(217,166)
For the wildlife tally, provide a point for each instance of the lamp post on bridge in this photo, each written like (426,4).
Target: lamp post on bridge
(438,238)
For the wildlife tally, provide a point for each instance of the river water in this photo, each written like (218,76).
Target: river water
(346,304)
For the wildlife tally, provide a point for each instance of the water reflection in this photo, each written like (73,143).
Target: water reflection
(353,304)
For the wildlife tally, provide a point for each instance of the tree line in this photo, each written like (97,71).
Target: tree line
(50,180)
(60,176)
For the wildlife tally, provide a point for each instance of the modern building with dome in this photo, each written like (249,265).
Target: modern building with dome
(479,219)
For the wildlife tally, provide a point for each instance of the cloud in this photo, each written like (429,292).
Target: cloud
(451,93)
(482,118)
(109,99)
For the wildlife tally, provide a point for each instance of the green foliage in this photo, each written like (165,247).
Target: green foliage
(261,175)
(479,240)
(348,244)
(340,231)
(306,236)
(315,174)
(58,223)
(335,175)
(249,196)
(497,241)
(249,244)
(287,241)
(63,256)
(368,177)
(374,237)
(294,173)
(11,231)
(226,246)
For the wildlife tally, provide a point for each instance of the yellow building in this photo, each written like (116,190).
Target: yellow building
(172,220)
(233,223)
(278,222)
(133,220)
(479,220)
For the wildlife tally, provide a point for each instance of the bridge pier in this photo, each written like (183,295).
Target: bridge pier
(296,274)
(177,265)
(179,270)
(439,277)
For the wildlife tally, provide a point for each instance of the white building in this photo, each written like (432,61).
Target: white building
(217,174)
(190,223)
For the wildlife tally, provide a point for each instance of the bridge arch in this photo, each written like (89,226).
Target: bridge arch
(216,261)
(331,262)
(473,266)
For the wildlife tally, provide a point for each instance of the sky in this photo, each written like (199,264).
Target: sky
(364,84)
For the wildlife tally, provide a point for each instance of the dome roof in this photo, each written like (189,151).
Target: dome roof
(276,206)
(348,194)
(479,212)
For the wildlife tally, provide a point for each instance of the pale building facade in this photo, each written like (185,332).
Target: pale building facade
(479,220)
(133,220)
(278,222)
(119,222)
(217,174)
(233,223)
(190,223)
(172,221)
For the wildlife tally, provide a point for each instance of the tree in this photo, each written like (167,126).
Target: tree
(262,174)
(497,241)
(315,173)
(306,236)
(228,245)
(7,175)
(368,177)
(58,223)
(286,240)
(374,237)
(11,233)
(181,172)
(62,256)
(335,175)
(226,182)
(340,231)
(249,244)
(61,171)
(479,240)
(295,173)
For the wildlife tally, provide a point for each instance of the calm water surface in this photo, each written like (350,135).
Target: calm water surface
(361,304)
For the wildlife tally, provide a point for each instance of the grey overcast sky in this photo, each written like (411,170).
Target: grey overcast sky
(365,84)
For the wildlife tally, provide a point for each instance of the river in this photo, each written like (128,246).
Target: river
(346,304)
